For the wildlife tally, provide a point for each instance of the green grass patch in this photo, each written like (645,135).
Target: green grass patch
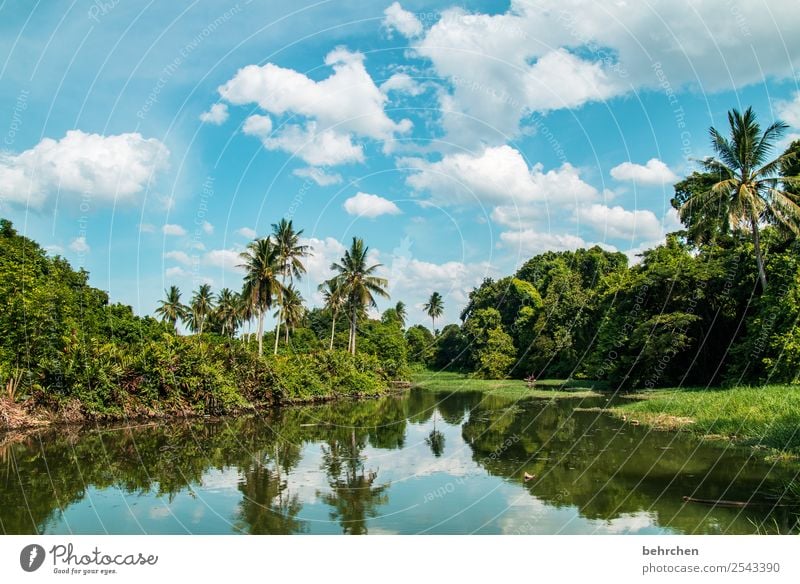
(767,416)
(512,388)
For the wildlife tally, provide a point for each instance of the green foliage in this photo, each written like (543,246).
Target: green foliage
(496,356)
(421,347)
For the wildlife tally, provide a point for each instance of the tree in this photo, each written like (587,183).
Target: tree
(434,308)
(358,283)
(748,189)
(171,309)
(292,308)
(402,313)
(201,307)
(228,312)
(261,284)
(289,257)
(334,298)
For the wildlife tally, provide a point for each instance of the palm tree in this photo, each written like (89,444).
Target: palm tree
(171,309)
(245,311)
(261,285)
(228,311)
(334,301)
(292,308)
(201,307)
(358,283)
(434,308)
(402,313)
(748,186)
(290,253)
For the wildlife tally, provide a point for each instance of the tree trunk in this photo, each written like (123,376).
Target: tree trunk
(260,332)
(353,335)
(333,331)
(762,275)
(278,330)
(433,326)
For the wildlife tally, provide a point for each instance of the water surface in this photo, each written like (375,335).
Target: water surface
(421,462)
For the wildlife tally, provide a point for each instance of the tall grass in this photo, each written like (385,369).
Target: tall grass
(768,415)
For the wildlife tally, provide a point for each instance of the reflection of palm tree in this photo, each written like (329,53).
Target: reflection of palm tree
(435,439)
(353,497)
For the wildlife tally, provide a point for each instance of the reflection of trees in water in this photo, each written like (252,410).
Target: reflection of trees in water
(435,440)
(354,497)
(582,459)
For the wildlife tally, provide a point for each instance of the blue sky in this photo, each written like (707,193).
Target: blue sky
(149,142)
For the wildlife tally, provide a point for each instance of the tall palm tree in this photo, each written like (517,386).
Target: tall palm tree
(261,284)
(434,308)
(201,307)
(292,308)
(245,311)
(748,186)
(171,309)
(227,312)
(358,283)
(402,313)
(334,301)
(290,253)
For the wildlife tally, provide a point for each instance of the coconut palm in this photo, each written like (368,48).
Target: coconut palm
(434,308)
(358,284)
(245,311)
(261,284)
(748,186)
(402,313)
(292,308)
(334,301)
(227,313)
(201,307)
(171,309)
(289,256)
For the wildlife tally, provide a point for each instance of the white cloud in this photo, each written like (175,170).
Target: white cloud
(208,228)
(789,111)
(654,172)
(54,249)
(177,272)
(402,83)
(247,232)
(318,175)
(79,245)
(401,20)
(530,241)
(318,148)
(257,125)
(147,228)
(173,229)
(552,54)
(498,175)
(227,259)
(107,168)
(179,256)
(367,205)
(616,222)
(217,115)
(348,101)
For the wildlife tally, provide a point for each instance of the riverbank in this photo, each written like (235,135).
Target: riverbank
(766,417)
(512,388)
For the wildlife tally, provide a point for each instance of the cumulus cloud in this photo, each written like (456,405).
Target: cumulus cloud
(247,232)
(208,228)
(367,205)
(173,229)
(396,18)
(789,110)
(345,103)
(147,228)
(79,245)
(217,115)
(402,83)
(104,168)
(498,175)
(177,272)
(179,256)
(318,175)
(318,148)
(616,222)
(257,125)
(654,172)
(551,54)
(227,259)
(530,241)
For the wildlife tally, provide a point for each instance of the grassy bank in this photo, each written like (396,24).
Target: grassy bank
(765,417)
(512,388)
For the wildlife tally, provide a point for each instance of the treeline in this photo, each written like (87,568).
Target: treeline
(717,303)
(66,351)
